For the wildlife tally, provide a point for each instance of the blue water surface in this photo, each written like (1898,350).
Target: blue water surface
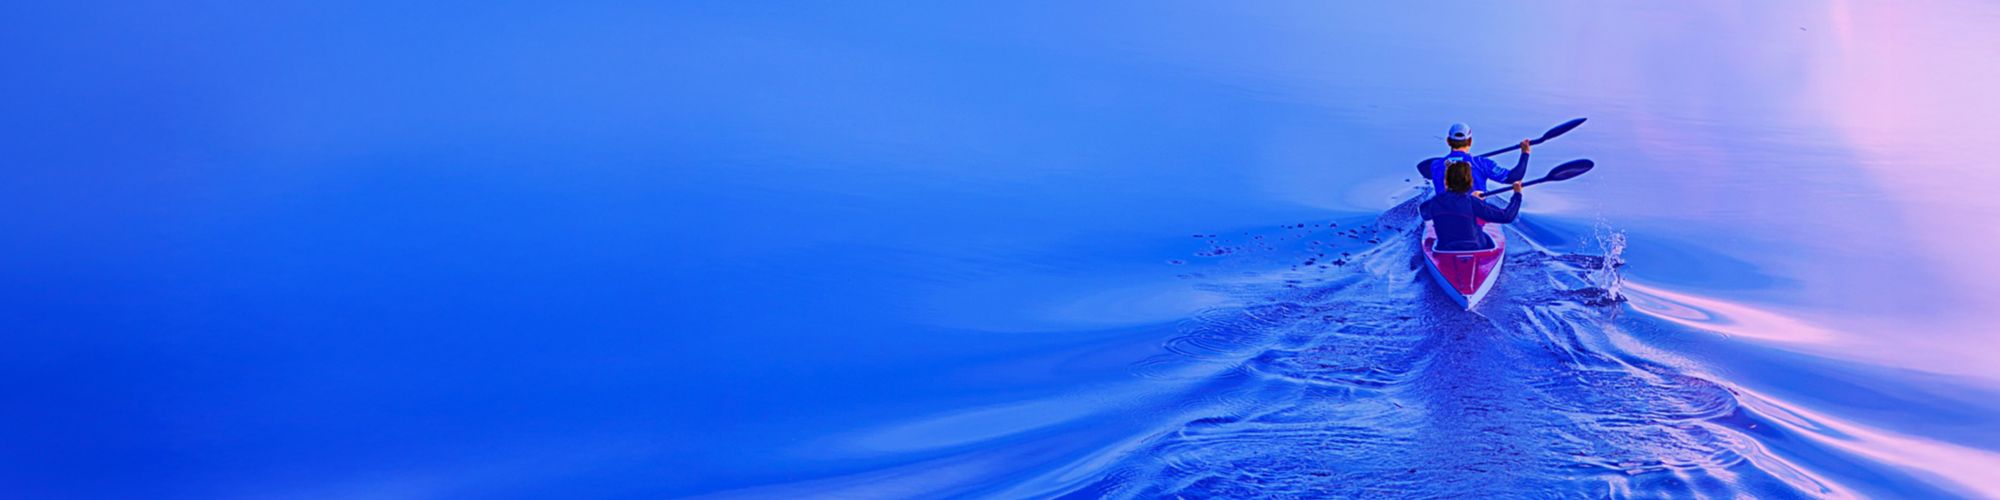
(1128,249)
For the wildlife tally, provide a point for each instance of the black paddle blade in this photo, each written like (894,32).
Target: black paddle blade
(1564,128)
(1570,169)
(1560,129)
(1565,171)
(1424,167)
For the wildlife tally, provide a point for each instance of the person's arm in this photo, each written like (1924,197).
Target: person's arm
(1501,215)
(1489,170)
(1424,209)
(1520,167)
(1493,170)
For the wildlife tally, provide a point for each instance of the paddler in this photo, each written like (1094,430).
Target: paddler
(1456,212)
(1459,137)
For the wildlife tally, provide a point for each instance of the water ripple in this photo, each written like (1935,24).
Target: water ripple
(1360,380)
(1351,394)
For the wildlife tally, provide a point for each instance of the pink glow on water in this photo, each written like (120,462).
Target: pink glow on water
(1911,92)
(1724,317)
(1970,469)
(1862,339)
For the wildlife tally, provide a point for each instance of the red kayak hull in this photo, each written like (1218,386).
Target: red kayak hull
(1466,276)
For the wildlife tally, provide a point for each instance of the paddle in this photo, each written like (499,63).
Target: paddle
(1424,167)
(1566,171)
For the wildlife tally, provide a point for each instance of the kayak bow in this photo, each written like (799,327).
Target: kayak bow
(1465,275)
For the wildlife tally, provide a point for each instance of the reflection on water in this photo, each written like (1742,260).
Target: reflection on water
(587,250)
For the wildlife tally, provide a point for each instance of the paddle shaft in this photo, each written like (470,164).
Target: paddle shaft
(1424,169)
(1524,185)
(1566,171)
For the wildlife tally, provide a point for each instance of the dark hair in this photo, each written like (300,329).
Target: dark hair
(1455,143)
(1458,177)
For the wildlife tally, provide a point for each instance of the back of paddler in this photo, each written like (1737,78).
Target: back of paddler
(1456,214)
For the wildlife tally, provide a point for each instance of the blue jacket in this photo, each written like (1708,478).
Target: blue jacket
(1483,170)
(1453,215)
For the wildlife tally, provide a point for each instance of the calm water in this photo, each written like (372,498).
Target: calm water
(625,251)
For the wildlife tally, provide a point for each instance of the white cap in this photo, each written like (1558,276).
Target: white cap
(1459,132)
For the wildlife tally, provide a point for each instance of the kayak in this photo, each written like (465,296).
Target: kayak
(1468,274)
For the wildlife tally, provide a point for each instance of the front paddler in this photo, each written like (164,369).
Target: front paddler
(1459,137)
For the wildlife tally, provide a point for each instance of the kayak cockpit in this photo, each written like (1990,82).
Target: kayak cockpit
(1466,275)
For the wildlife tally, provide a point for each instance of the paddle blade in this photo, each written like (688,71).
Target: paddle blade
(1561,129)
(1565,171)
(1424,168)
(1570,169)
(1564,128)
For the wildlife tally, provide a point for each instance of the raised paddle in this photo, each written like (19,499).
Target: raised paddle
(1566,171)
(1424,167)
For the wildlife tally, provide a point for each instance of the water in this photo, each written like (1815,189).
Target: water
(1131,250)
